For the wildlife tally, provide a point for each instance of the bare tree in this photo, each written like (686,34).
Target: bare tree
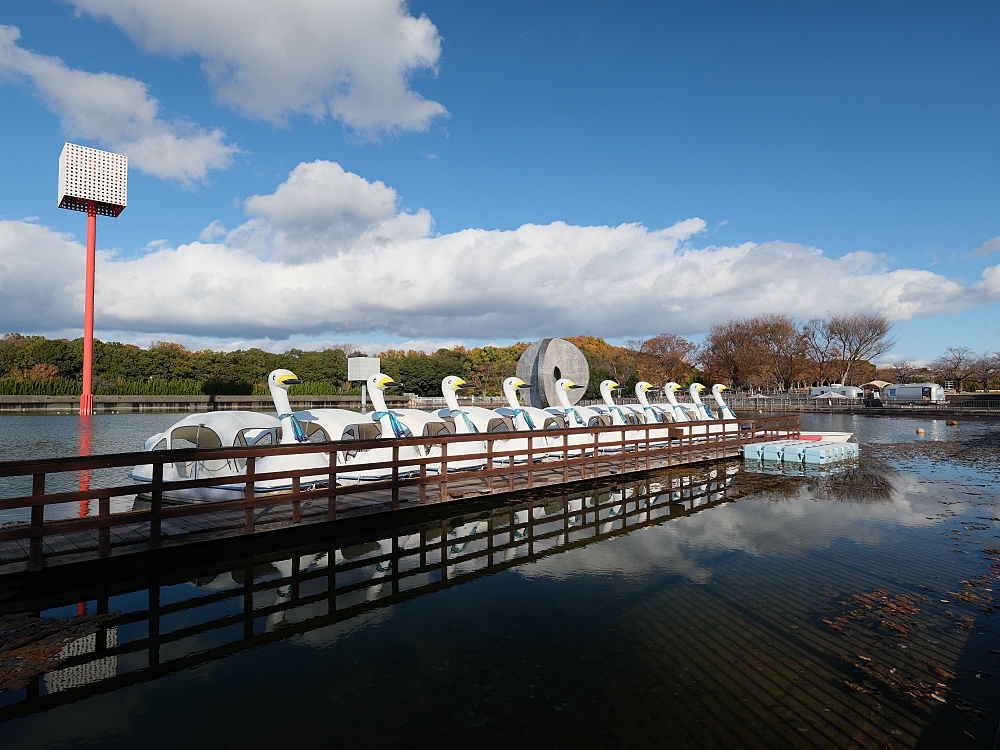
(901,371)
(860,336)
(984,369)
(957,363)
(822,350)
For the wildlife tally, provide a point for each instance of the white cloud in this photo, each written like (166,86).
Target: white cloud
(350,59)
(987,248)
(321,210)
(757,525)
(120,112)
(328,255)
(41,278)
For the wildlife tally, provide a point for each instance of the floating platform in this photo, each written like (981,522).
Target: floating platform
(805,452)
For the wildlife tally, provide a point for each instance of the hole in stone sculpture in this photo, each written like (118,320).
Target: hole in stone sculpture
(556,374)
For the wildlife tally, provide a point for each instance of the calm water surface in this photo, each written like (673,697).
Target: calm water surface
(850,610)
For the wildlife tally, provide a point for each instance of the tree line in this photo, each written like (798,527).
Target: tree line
(961,366)
(777,352)
(772,352)
(35,365)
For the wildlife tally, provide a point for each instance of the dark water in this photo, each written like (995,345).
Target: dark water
(714,608)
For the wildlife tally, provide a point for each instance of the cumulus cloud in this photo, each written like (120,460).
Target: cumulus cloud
(350,59)
(120,112)
(41,278)
(329,254)
(321,210)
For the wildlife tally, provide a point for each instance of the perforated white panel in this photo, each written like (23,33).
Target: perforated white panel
(91,175)
(362,368)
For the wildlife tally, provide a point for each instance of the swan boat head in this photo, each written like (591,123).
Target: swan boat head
(607,386)
(278,383)
(727,413)
(377,384)
(510,388)
(450,387)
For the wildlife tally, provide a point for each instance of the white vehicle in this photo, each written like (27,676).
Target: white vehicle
(913,393)
(851,391)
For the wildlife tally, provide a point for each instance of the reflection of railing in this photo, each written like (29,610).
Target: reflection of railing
(513,461)
(293,591)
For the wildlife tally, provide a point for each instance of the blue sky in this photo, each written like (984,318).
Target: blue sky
(839,156)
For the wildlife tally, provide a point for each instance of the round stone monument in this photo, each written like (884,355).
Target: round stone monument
(545,362)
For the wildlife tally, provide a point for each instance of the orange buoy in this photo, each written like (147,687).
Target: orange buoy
(920,430)
(952,423)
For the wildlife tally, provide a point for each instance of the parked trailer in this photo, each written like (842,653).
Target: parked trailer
(851,391)
(913,393)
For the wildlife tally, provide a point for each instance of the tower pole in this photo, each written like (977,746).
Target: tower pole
(87,397)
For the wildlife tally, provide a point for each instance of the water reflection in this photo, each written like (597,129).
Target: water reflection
(711,608)
(314,587)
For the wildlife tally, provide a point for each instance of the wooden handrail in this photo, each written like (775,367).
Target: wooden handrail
(601,445)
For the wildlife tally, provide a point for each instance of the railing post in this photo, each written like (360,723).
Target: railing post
(597,461)
(248,494)
(423,475)
(395,479)
(489,464)
(531,460)
(104,530)
(444,472)
(155,506)
(296,502)
(331,503)
(565,457)
(37,522)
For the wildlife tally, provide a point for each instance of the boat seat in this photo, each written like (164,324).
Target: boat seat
(555,422)
(363,431)
(433,429)
(315,432)
(601,420)
(500,424)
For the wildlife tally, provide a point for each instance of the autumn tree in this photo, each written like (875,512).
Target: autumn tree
(665,358)
(766,350)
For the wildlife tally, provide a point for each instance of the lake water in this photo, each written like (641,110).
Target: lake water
(842,611)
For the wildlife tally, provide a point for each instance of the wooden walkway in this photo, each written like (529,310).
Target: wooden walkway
(153,524)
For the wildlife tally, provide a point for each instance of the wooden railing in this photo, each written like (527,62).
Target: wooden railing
(412,481)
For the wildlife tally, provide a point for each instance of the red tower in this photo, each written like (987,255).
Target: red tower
(96,182)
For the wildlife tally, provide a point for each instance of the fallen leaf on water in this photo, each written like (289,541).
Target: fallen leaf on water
(855,686)
(937,697)
(946,674)
(866,658)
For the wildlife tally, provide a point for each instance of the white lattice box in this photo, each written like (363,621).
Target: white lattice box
(89,175)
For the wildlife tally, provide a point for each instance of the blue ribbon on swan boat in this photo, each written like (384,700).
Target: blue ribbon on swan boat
(468,422)
(297,430)
(527,417)
(398,428)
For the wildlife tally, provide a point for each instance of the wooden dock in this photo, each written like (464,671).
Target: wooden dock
(580,454)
